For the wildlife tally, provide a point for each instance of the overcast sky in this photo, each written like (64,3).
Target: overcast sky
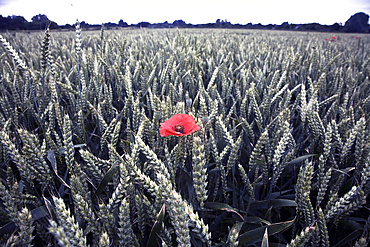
(191,11)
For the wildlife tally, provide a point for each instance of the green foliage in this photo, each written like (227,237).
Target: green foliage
(282,156)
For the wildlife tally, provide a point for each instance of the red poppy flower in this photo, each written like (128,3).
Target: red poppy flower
(178,125)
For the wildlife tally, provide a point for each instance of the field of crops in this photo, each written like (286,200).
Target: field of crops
(271,149)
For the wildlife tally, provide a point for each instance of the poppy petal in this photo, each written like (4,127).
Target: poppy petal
(168,127)
(167,132)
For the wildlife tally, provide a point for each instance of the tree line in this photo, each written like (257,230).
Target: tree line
(357,23)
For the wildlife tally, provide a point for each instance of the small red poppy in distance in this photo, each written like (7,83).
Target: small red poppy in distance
(178,125)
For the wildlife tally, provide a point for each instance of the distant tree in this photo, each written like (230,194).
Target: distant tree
(357,23)
(83,24)
(258,26)
(143,24)
(13,23)
(108,24)
(39,18)
(285,25)
(310,27)
(218,23)
(3,22)
(335,27)
(42,22)
(121,23)
(68,26)
(20,20)
(179,23)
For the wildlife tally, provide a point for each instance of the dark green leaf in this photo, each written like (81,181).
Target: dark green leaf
(256,235)
(107,177)
(51,209)
(8,228)
(301,158)
(279,203)
(223,207)
(350,224)
(345,171)
(51,158)
(277,194)
(256,220)
(39,213)
(276,203)
(152,241)
(347,240)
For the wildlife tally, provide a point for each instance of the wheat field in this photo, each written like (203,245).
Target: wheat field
(281,157)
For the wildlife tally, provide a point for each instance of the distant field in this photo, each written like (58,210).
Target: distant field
(281,156)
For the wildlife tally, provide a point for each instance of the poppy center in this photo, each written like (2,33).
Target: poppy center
(179,128)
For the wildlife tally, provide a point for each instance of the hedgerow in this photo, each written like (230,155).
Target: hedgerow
(281,156)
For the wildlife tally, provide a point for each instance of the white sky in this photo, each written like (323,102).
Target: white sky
(191,11)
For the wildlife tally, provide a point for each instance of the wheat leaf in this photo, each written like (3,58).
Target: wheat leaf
(256,235)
